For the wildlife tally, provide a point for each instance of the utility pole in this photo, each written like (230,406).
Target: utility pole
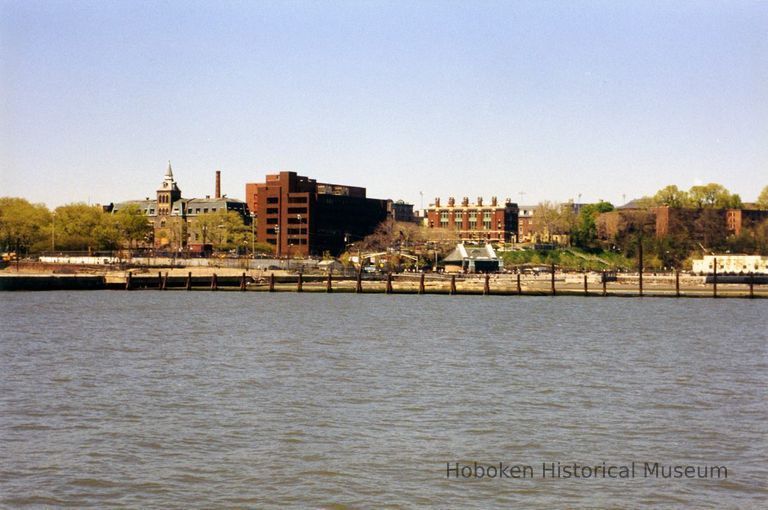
(253,233)
(277,233)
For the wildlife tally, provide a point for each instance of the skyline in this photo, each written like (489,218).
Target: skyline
(555,100)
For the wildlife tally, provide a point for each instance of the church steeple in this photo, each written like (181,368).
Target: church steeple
(168,182)
(168,193)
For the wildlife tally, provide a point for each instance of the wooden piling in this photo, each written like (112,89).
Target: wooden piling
(189,280)
(300,283)
(714,278)
(421,284)
(271,282)
(487,285)
(605,283)
(359,285)
(553,279)
(159,280)
(329,285)
(165,281)
(586,290)
(519,287)
(677,283)
(640,266)
(751,285)
(242,282)
(129,281)
(452,290)
(214,282)
(389,283)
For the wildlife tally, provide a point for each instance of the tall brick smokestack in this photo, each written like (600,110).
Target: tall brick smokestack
(218,183)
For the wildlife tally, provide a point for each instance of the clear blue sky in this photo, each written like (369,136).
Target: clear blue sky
(473,98)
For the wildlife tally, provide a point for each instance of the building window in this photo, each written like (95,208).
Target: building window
(297,200)
(273,200)
(272,210)
(272,221)
(297,210)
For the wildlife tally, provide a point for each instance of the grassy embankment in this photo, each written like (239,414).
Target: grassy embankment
(569,258)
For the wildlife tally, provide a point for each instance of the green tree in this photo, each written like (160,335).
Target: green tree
(83,227)
(762,199)
(672,196)
(24,226)
(713,196)
(265,248)
(584,233)
(225,230)
(132,224)
(551,219)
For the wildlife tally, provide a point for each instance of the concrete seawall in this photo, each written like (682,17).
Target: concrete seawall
(52,282)
(386,284)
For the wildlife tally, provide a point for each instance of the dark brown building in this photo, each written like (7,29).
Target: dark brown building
(301,216)
(491,222)
(704,225)
(739,219)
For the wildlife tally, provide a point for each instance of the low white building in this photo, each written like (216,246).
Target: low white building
(83,261)
(731,264)
(473,259)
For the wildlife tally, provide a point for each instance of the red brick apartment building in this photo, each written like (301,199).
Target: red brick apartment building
(301,216)
(491,222)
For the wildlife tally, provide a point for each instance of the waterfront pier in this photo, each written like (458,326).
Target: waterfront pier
(553,284)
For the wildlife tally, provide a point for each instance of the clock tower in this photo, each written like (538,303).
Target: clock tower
(168,193)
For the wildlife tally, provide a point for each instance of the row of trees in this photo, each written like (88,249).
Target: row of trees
(712,196)
(33,228)
(27,227)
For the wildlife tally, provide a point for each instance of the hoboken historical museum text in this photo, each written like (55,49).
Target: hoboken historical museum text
(575,470)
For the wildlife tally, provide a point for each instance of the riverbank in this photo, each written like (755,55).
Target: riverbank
(223,279)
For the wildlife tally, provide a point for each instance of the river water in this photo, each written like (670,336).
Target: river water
(256,400)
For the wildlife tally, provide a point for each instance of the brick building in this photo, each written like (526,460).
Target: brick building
(402,211)
(491,222)
(526,228)
(301,216)
(173,217)
(739,219)
(705,225)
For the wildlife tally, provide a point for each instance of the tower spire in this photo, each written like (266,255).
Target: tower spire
(169,172)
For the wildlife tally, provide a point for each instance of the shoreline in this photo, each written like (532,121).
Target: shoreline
(220,279)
